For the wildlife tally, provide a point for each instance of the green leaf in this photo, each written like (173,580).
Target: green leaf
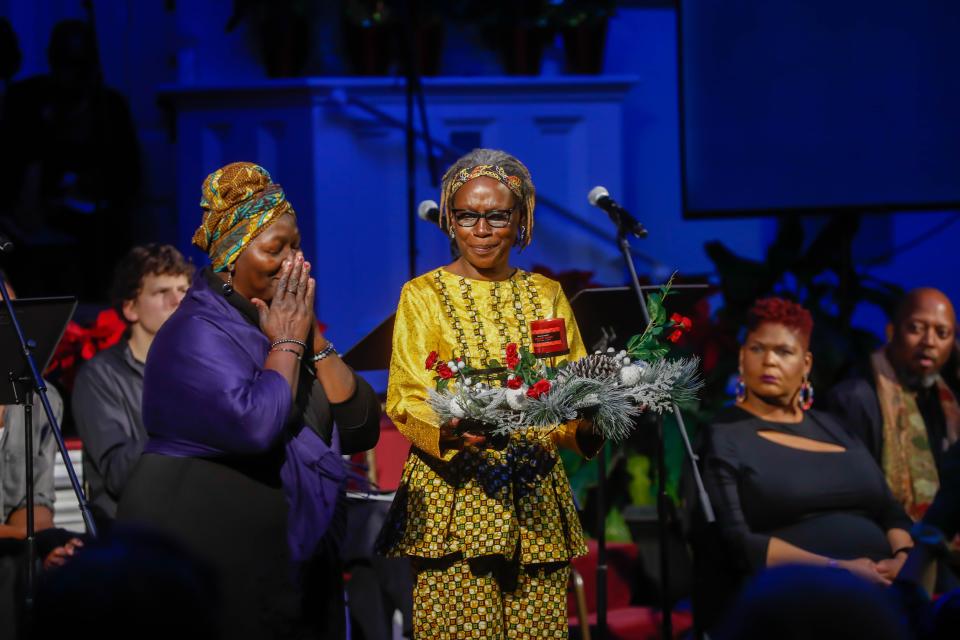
(563,364)
(655,307)
(494,364)
(633,342)
(442,384)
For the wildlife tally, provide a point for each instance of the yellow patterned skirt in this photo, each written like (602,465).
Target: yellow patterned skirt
(460,600)
(512,507)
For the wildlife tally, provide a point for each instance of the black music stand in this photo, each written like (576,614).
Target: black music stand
(608,317)
(20,354)
(373,351)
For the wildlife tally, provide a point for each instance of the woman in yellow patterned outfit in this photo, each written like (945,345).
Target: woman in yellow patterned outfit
(490,529)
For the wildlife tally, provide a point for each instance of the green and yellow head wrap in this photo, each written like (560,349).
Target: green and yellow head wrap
(239,201)
(453,182)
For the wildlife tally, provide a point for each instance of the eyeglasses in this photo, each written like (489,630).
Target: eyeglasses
(496,219)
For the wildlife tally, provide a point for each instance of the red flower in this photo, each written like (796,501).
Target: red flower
(675,336)
(682,323)
(514,382)
(538,389)
(444,370)
(513,361)
(432,359)
(512,349)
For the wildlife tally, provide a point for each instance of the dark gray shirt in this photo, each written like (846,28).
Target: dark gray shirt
(106,409)
(13,490)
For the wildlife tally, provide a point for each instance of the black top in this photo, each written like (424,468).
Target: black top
(835,504)
(106,408)
(855,403)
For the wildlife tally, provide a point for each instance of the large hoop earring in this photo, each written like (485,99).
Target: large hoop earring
(805,397)
(740,390)
(227,287)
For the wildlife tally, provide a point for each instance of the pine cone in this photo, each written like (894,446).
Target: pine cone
(597,366)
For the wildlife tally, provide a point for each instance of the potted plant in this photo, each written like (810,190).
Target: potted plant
(282,28)
(583,24)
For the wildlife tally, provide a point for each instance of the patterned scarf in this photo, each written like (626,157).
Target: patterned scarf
(908,461)
(239,201)
(514,183)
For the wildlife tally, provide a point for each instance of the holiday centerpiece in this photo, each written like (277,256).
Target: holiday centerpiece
(531,389)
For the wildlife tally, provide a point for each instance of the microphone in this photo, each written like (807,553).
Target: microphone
(429,211)
(6,246)
(626,223)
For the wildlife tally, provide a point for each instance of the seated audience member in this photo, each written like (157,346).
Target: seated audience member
(13,491)
(812,603)
(148,285)
(789,484)
(903,411)
(131,583)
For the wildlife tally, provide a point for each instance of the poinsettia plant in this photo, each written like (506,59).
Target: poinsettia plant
(80,343)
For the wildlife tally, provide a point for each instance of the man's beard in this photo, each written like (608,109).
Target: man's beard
(917,381)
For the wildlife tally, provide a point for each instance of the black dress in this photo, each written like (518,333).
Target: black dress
(835,504)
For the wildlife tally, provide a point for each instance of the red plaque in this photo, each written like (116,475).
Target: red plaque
(549,338)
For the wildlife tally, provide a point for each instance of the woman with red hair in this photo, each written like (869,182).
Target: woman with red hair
(789,484)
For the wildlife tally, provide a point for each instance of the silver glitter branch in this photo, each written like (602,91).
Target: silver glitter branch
(613,402)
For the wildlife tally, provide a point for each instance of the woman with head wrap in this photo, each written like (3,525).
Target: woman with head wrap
(241,393)
(491,527)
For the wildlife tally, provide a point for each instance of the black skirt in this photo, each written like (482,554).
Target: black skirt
(233,515)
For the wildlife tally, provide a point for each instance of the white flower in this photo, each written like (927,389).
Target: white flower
(467,382)
(517,398)
(461,364)
(511,376)
(457,408)
(626,361)
(630,375)
(453,365)
(610,350)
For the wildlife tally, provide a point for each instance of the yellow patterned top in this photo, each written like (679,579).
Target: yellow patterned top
(479,501)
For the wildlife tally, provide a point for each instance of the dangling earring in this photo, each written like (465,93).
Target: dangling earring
(227,287)
(453,234)
(740,390)
(805,397)
(522,235)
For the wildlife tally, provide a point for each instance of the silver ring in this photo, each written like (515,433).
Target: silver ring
(291,290)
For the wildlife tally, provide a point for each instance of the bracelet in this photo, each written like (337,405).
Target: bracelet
(293,351)
(902,550)
(326,352)
(833,564)
(290,341)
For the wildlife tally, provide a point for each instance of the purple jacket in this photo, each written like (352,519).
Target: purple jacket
(206,395)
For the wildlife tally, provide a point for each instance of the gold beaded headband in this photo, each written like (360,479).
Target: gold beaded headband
(496,172)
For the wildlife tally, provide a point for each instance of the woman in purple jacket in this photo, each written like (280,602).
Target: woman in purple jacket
(248,409)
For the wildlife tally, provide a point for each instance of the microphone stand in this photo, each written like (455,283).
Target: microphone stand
(625,228)
(414,93)
(34,384)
